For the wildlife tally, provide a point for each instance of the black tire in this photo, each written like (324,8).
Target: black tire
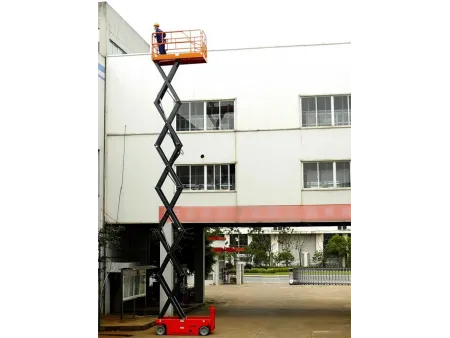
(160,330)
(204,331)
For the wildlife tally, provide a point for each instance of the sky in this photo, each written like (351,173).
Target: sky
(240,24)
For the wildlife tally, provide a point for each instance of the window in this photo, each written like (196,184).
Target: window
(207,177)
(342,110)
(329,174)
(318,111)
(113,49)
(134,287)
(205,115)
(238,240)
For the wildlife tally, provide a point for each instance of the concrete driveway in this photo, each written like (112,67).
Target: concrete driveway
(266,279)
(275,310)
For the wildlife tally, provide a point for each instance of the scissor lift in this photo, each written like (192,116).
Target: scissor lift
(182,48)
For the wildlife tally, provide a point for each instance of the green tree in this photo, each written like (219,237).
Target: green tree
(349,252)
(261,257)
(285,237)
(319,257)
(298,244)
(261,242)
(337,246)
(286,258)
(276,258)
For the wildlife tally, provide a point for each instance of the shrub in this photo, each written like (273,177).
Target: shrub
(286,258)
(268,270)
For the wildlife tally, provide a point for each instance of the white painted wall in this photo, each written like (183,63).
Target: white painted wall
(269,170)
(316,197)
(101,130)
(114,27)
(267,89)
(301,243)
(267,147)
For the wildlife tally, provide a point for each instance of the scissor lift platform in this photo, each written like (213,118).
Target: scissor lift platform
(182,47)
(187,47)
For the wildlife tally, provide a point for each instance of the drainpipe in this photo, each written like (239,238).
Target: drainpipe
(103,179)
(97,263)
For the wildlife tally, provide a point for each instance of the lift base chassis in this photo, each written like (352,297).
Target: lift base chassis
(189,326)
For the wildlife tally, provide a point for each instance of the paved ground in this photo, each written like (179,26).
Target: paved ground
(267,279)
(273,310)
(128,320)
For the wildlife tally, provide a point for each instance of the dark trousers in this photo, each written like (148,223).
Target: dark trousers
(162,49)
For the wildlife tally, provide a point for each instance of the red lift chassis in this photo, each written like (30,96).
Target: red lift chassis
(189,326)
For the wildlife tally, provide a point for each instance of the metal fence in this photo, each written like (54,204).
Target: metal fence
(320,276)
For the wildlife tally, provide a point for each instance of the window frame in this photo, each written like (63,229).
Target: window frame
(234,100)
(205,178)
(317,162)
(239,236)
(333,122)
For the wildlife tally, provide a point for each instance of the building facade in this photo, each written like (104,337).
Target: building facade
(115,36)
(266,136)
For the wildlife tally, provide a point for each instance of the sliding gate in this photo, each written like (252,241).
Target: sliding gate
(320,276)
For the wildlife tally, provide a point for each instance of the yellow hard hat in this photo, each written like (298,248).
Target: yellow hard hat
(156,24)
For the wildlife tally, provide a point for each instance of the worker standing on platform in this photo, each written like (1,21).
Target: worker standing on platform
(160,39)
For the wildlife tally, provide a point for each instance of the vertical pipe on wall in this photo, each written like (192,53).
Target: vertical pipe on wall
(97,263)
(121,295)
(104,280)
(103,182)
(97,274)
